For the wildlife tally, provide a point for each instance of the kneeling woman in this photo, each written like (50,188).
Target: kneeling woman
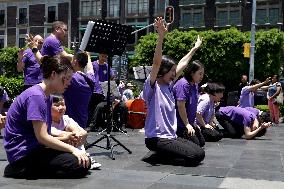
(238,121)
(161,123)
(32,152)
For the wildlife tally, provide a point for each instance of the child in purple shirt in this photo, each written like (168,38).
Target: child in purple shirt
(205,113)
(31,151)
(161,123)
(238,121)
(186,94)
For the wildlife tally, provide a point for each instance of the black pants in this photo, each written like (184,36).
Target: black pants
(231,130)
(197,138)
(46,163)
(99,118)
(95,100)
(211,135)
(176,148)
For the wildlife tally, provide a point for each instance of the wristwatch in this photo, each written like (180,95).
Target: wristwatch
(34,50)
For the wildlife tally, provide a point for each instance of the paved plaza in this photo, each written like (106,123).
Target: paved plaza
(230,163)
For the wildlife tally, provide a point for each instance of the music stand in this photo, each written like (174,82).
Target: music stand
(142,72)
(108,38)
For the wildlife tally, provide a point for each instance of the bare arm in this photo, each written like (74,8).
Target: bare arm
(183,115)
(256,86)
(184,61)
(20,64)
(66,55)
(162,29)
(89,67)
(249,134)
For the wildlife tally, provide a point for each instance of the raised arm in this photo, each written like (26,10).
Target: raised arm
(256,86)
(162,30)
(20,64)
(184,61)
(89,67)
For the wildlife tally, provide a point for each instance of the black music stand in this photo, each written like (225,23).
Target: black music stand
(111,39)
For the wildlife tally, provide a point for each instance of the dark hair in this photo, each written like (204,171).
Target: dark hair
(213,88)
(58,64)
(57,24)
(166,65)
(277,77)
(191,69)
(57,98)
(254,82)
(261,133)
(1,92)
(82,58)
(264,117)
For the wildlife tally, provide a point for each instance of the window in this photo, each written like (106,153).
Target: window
(143,6)
(22,42)
(273,15)
(261,16)
(113,8)
(96,7)
(51,15)
(23,16)
(222,18)
(85,8)
(229,16)
(235,17)
(2,43)
(188,2)
(2,17)
(192,18)
(268,12)
(159,6)
(132,7)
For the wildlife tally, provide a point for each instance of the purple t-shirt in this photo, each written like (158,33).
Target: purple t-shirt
(100,75)
(206,108)
(32,71)
(253,110)
(77,97)
(51,46)
(161,113)
(246,98)
(184,91)
(238,115)
(5,97)
(19,136)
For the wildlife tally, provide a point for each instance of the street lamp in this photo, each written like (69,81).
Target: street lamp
(252,46)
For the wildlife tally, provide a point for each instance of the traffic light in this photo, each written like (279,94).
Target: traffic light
(246,50)
(169,14)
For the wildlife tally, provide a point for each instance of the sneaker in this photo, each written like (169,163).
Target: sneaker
(95,165)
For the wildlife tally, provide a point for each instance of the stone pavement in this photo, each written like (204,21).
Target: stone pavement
(230,163)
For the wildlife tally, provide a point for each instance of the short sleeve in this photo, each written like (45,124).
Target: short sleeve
(148,90)
(245,90)
(36,108)
(203,105)
(181,90)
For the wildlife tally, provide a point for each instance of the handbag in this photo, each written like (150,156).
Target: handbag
(279,98)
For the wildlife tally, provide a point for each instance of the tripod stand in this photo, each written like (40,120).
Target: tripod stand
(108,38)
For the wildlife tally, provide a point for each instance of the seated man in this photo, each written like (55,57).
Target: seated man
(238,121)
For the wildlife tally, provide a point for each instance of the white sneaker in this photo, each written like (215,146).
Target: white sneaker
(95,165)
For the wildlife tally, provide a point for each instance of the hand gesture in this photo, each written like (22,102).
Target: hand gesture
(209,126)
(266,125)
(267,80)
(21,54)
(82,157)
(2,121)
(190,130)
(160,26)
(30,41)
(198,42)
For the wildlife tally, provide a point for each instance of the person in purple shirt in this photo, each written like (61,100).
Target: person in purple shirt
(52,44)
(247,93)
(238,121)
(3,99)
(161,123)
(28,64)
(31,151)
(81,87)
(205,113)
(186,94)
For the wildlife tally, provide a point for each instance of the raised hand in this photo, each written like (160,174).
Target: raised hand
(160,26)
(198,42)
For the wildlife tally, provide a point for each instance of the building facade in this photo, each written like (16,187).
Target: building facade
(18,17)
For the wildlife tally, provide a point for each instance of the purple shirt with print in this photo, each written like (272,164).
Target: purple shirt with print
(184,91)
(246,98)
(206,108)
(238,115)
(32,71)
(51,46)
(161,113)
(100,71)
(77,97)
(19,136)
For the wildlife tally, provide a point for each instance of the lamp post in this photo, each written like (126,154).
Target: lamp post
(252,46)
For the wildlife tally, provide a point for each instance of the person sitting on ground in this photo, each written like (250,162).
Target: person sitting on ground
(238,121)
(128,93)
(205,113)
(186,95)
(31,151)
(247,93)
(161,123)
(66,129)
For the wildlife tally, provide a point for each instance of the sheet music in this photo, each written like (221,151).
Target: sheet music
(113,88)
(139,72)
(86,36)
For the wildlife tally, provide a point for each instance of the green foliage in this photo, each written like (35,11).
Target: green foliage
(263,108)
(69,51)
(221,52)
(13,86)
(8,60)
